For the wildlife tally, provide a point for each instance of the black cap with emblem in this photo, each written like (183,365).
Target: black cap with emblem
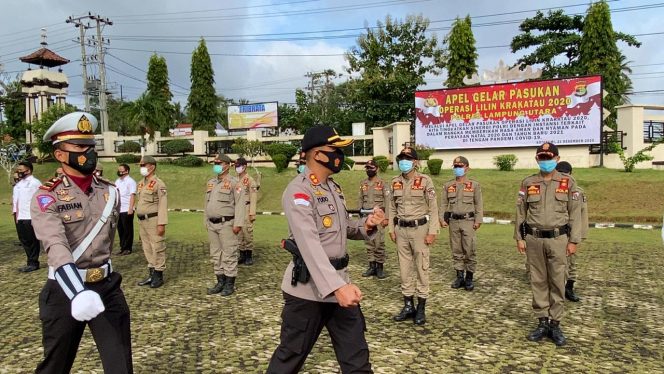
(323,135)
(547,149)
(407,152)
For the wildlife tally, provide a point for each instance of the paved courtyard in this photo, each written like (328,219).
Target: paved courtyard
(179,329)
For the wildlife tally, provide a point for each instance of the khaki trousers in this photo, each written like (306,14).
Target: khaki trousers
(246,236)
(224,250)
(547,259)
(413,260)
(571,267)
(154,246)
(376,247)
(463,244)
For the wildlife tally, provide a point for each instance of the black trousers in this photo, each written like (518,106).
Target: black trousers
(126,231)
(26,235)
(302,323)
(62,333)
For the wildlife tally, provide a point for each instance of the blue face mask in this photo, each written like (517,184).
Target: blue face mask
(300,169)
(459,172)
(547,166)
(217,169)
(405,166)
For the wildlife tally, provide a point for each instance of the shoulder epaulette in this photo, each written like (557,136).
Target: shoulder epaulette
(104,180)
(50,184)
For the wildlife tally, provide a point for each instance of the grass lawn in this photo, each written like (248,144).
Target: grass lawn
(613,195)
(179,329)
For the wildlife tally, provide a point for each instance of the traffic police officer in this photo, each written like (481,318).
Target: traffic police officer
(318,222)
(566,167)
(225,211)
(548,228)
(413,225)
(249,199)
(461,209)
(372,194)
(75,217)
(152,212)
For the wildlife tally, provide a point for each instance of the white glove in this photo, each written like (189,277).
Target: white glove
(86,305)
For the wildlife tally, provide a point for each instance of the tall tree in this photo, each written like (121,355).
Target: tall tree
(13,104)
(153,110)
(158,78)
(460,54)
(391,61)
(121,117)
(203,101)
(599,54)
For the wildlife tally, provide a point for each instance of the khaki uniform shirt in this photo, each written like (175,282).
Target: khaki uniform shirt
(224,199)
(151,198)
(547,205)
(584,213)
(372,193)
(412,199)
(318,222)
(461,198)
(63,215)
(249,193)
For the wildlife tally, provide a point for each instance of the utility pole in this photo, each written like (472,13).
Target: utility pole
(100,42)
(78,22)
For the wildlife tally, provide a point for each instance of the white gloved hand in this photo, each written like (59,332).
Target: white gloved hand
(86,305)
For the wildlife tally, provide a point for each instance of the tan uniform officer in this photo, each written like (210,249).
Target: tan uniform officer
(372,194)
(249,199)
(318,222)
(224,218)
(461,209)
(152,212)
(413,225)
(566,167)
(75,217)
(548,228)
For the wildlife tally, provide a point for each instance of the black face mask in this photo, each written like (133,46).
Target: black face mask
(84,162)
(371,173)
(120,173)
(335,160)
(21,174)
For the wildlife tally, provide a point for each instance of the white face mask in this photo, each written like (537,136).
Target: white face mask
(239,169)
(144,171)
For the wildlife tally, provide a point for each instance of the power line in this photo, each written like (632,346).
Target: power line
(143,70)
(214,10)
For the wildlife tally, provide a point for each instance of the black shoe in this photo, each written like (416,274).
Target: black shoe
(371,270)
(221,280)
(28,268)
(541,331)
(157,279)
(229,287)
(148,280)
(408,310)
(380,273)
(420,317)
(458,282)
(468,283)
(249,258)
(556,334)
(242,258)
(569,292)
(126,252)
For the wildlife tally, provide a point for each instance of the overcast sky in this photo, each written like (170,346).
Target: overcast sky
(303,36)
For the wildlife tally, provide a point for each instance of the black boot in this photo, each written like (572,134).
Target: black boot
(148,280)
(157,279)
(371,270)
(242,258)
(469,281)
(420,318)
(229,286)
(556,334)
(541,331)
(380,274)
(248,258)
(569,291)
(408,310)
(458,282)
(221,280)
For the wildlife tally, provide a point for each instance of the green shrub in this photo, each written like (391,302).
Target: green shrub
(434,166)
(128,158)
(348,163)
(423,152)
(165,161)
(281,162)
(382,162)
(129,147)
(188,161)
(286,149)
(505,162)
(172,147)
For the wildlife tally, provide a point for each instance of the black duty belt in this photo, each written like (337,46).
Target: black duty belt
(340,263)
(547,234)
(221,219)
(146,216)
(413,223)
(462,216)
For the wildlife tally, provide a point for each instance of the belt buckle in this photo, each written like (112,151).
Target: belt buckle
(94,275)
